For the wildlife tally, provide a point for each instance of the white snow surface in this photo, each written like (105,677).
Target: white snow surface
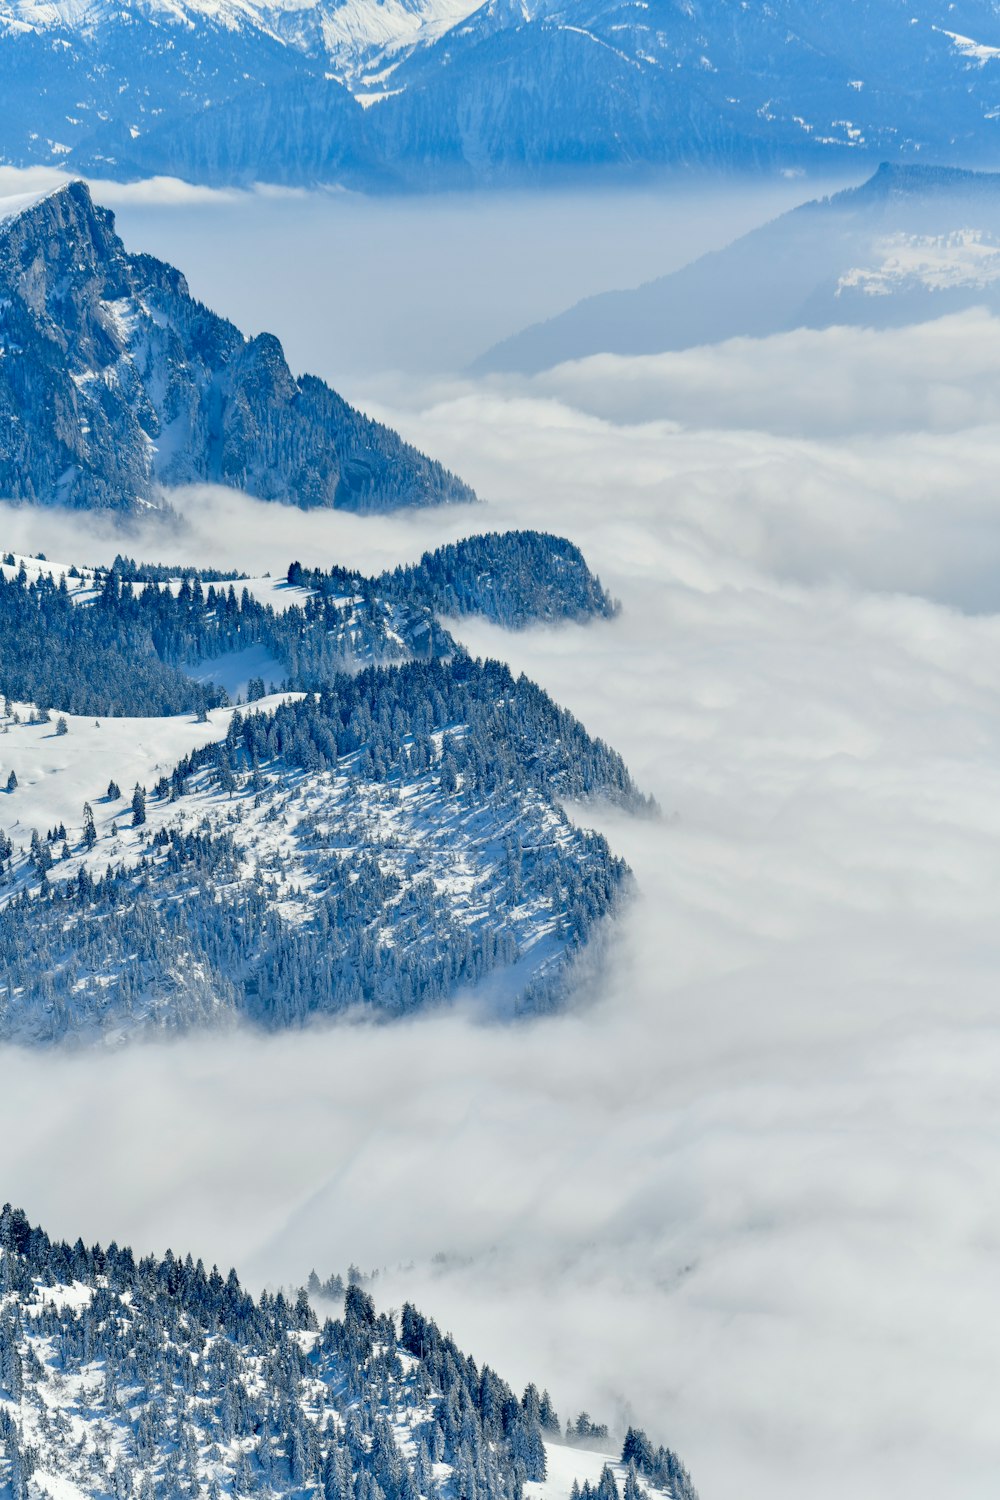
(564,1464)
(962,258)
(975,51)
(57,774)
(234,670)
(363,40)
(15,204)
(358,36)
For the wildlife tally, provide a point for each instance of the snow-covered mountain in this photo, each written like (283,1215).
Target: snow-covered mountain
(141,1378)
(420,93)
(356,38)
(115,383)
(381,826)
(909,245)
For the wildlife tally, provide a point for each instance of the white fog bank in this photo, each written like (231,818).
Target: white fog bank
(743,1194)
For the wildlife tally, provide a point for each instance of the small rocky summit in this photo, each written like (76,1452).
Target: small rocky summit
(115,384)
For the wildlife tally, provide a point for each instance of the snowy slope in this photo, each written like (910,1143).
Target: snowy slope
(398,841)
(145,1378)
(566,1465)
(351,34)
(366,42)
(57,774)
(390,839)
(957,259)
(243,91)
(435,868)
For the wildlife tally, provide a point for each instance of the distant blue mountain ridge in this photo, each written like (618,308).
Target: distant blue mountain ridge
(419,94)
(910,244)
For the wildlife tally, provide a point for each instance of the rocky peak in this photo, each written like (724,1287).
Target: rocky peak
(115,384)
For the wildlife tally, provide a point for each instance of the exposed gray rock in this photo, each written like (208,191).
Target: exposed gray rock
(116,383)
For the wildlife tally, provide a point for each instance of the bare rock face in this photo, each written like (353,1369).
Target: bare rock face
(115,383)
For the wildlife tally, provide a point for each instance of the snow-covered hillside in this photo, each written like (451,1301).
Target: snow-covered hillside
(357,37)
(382,840)
(404,885)
(139,1379)
(959,259)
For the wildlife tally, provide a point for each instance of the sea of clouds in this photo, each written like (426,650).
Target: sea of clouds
(743,1192)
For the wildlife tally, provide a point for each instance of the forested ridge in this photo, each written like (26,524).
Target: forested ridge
(127,643)
(124,386)
(513,578)
(152,1378)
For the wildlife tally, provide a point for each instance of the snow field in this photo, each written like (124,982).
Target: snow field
(56,774)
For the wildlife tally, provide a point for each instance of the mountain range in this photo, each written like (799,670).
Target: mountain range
(116,384)
(418,94)
(908,245)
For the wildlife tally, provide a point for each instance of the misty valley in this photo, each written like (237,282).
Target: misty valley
(499,742)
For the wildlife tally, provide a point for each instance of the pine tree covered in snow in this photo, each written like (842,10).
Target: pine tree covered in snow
(659,1466)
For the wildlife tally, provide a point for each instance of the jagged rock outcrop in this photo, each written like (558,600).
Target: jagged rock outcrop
(115,383)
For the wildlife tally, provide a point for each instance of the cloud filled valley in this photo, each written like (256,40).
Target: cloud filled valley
(741,1191)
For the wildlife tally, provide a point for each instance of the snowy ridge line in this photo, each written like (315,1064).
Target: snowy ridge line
(356,39)
(131,641)
(445,94)
(13,206)
(136,1378)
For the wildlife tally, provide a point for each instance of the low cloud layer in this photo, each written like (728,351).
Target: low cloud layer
(161,191)
(742,1193)
(895,492)
(211,526)
(941,376)
(844,456)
